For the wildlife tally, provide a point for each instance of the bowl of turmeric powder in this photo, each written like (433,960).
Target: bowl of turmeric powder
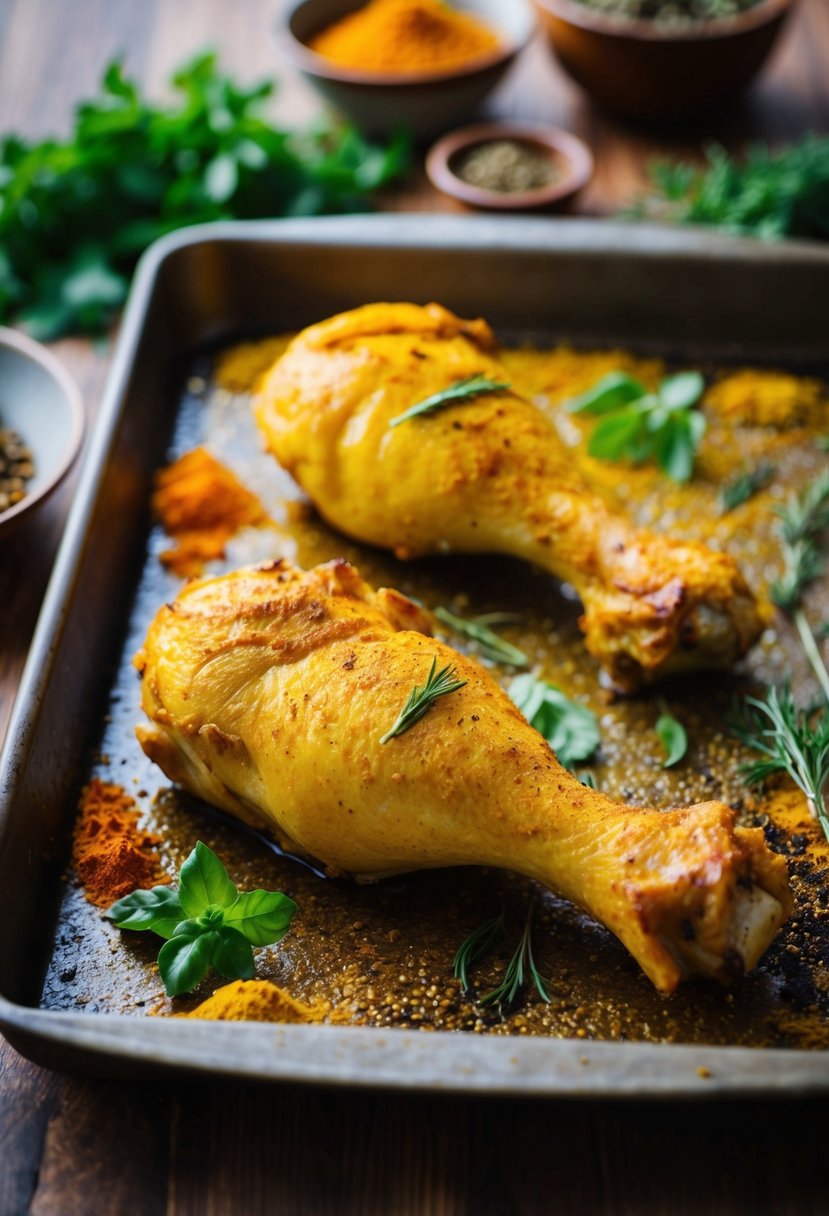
(420,65)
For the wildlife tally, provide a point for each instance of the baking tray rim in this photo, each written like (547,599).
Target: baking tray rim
(361,1056)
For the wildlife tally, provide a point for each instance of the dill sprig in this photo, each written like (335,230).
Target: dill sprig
(489,644)
(792,740)
(746,485)
(461,390)
(438,684)
(519,969)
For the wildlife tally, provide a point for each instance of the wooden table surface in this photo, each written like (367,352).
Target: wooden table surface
(70,1145)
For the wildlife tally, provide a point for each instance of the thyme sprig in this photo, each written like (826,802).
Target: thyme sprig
(520,968)
(462,390)
(478,630)
(438,684)
(792,740)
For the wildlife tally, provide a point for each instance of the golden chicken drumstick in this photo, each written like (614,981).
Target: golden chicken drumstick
(489,474)
(271,691)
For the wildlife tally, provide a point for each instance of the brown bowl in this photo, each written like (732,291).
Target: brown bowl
(572,159)
(424,103)
(643,70)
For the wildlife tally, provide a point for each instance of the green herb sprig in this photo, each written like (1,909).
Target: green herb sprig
(639,426)
(478,630)
(767,194)
(518,970)
(207,922)
(792,740)
(462,390)
(438,684)
(802,520)
(76,214)
(571,729)
(745,485)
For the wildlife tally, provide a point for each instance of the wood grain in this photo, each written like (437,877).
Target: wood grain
(70,1145)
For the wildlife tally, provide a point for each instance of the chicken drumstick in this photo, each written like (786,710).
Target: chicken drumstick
(269,691)
(487,475)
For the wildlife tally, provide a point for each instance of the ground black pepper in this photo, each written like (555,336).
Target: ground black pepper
(671,12)
(506,166)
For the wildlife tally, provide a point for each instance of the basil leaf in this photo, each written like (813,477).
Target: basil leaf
(157,910)
(571,729)
(263,917)
(673,737)
(681,391)
(232,954)
(613,391)
(204,882)
(184,961)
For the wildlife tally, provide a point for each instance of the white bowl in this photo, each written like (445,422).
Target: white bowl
(39,400)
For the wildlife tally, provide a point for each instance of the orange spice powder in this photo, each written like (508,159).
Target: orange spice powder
(201,504)
(399,36)
(112,856)
(256,1001)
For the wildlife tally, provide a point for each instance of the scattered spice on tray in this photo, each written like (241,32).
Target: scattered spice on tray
(773,399)
(111,855)
(16,468)
(256,1001)
(671,12)
(399,36)
(201,504)
(507,166)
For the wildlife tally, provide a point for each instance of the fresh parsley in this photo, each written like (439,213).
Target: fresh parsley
(639,426)
(672,735)
(571,729)
(420,700)
(768,194)
(207,922)
(478,630)
(520,967)
(76,214)
(745,485)
(462,390)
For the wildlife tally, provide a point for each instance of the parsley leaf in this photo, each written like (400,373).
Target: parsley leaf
(207,922)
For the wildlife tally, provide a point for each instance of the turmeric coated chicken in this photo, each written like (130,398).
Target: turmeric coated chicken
(270,692)
(488,474)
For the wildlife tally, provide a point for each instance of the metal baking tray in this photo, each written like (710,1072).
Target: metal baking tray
(593,282)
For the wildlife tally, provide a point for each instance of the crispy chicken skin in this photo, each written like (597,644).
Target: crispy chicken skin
(488,475)
(268,691)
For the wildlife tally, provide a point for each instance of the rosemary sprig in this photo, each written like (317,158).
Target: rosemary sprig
(477,946)
(489,644)
(792,740)
(746,485)
(461,390)
(438,684)
(520,967)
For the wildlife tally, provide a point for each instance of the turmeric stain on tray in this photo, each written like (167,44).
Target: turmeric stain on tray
(201,504)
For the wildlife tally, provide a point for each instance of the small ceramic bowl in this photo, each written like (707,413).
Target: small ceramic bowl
(39,400)
(644,70)
(425,104)
(571,158)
